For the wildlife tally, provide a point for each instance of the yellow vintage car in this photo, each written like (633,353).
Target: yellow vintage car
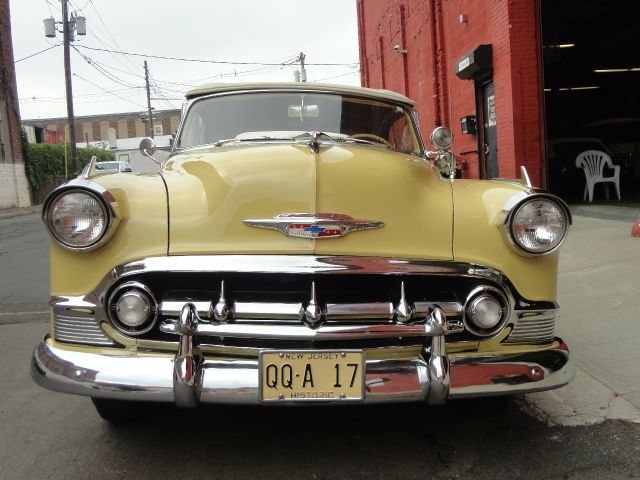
(301,244)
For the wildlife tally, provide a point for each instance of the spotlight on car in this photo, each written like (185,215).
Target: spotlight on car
(441,138)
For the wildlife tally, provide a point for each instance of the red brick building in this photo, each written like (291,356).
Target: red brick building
(464,61)
(95,128)
(14,191)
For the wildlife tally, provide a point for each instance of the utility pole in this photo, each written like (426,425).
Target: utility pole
(146,78)
(69,26)
(300,75)
(66,37)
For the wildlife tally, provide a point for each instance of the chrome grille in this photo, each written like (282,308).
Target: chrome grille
(78,327)
(533,327)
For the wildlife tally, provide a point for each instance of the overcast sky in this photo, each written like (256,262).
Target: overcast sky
(272,32)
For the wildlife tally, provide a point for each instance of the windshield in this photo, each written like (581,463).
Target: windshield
(285,116)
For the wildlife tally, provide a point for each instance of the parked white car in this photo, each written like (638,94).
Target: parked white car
(119,166)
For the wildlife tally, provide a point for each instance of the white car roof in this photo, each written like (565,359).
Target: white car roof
(303,86)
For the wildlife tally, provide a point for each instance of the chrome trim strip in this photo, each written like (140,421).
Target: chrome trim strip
(302,264)
(267,310)
(337,312)
(299,332)
(533,327)
(78,327)
(334,312)
(450,309)
(173,307)
(391,377)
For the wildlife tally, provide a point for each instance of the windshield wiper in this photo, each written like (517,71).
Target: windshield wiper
(357,140)
(253,139)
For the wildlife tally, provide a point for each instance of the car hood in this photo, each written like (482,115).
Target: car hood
(211,191)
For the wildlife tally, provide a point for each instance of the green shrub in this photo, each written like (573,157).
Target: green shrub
(45,161)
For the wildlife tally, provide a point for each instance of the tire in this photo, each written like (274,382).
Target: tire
(484,406)
(118,411)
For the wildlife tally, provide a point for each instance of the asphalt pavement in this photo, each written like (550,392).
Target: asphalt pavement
(587,430)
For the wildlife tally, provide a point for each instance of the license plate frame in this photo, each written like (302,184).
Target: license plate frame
(352,393)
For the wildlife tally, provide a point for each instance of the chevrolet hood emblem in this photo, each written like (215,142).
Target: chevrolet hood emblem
(313,225)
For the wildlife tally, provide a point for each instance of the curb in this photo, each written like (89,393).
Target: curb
(19,212)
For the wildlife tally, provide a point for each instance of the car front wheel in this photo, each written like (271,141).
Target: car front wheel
(118,411)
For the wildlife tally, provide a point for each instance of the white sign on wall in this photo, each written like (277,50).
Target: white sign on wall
(491,111)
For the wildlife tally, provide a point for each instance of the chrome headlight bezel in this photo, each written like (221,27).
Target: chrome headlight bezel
(511,213)
(107,204)
(119,325)
(496,294)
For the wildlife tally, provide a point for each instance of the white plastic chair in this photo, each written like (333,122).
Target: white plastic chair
(593,162)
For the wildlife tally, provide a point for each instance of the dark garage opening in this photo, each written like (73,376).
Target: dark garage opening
(591,52)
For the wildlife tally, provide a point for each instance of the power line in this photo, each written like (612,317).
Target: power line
(196,60)
(84,95)
(49,5)
(117,58)
(102,70)
(107,91)
(38,52)
(105,29)
(109,32)
(335,76)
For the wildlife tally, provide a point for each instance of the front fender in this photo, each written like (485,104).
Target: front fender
(478,238)
(142,232)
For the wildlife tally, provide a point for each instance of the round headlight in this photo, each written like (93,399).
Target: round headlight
(77,219)
(539,225)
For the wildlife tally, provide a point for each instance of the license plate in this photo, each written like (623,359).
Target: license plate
(311,375)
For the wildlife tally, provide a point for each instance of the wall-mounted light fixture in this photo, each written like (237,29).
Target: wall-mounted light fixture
(571,89)
(617,70)
(560,45)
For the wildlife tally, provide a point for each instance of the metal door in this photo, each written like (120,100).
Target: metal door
(489,147)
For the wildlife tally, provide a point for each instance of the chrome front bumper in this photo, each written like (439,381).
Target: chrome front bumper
(390,376)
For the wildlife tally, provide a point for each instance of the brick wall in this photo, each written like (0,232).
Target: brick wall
(130,124)
(14,191)
(436,37)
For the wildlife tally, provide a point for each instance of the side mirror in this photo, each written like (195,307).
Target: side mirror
(148,146)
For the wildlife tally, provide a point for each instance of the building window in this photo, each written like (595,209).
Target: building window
(157,129)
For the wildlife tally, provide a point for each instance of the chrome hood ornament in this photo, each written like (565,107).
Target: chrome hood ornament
(313,225)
